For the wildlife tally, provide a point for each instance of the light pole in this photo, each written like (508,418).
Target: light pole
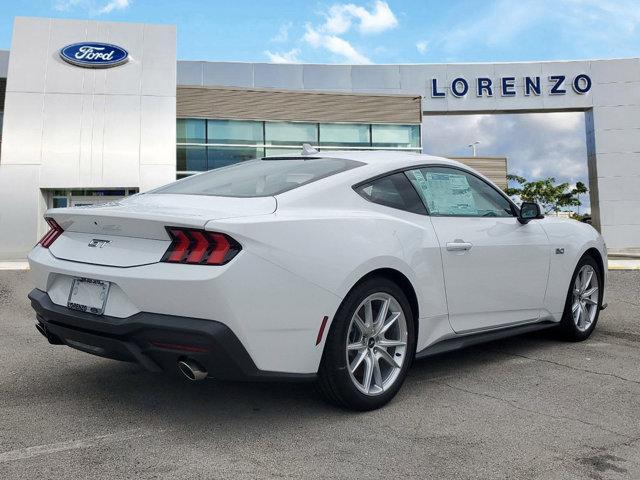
(474,147)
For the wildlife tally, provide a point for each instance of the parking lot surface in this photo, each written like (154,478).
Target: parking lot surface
(529,407)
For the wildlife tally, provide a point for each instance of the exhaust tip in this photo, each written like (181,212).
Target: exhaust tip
(53,339)
(41,329)
(192,370)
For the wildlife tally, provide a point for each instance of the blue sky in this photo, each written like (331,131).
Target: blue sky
(400,31)
(411,31)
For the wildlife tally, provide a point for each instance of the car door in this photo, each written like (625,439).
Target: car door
(495,268)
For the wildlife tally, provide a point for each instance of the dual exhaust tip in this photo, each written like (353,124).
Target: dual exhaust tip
(192,370)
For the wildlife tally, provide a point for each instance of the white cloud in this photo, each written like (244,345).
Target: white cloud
(115,5)
(292,56)
(422,46)
(340,17)
(574,23)
(334,44)
(92,7)
(283,33)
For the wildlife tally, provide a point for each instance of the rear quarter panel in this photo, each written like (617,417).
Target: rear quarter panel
(336,245)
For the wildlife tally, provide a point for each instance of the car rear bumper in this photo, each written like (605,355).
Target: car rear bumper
(155,341)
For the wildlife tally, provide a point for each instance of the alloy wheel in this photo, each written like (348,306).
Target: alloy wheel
(585,298)
(376,346)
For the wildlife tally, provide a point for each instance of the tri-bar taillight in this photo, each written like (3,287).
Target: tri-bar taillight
(51,236)
(199,247)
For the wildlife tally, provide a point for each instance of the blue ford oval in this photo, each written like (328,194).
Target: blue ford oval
(94,54)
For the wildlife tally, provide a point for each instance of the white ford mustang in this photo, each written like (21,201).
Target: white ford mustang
(340,267)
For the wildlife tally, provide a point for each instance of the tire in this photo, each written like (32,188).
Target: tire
(363,345)
(573,328)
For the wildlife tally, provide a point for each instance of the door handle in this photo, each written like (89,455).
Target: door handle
(459,246)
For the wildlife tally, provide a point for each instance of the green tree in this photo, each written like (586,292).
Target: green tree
(545,192)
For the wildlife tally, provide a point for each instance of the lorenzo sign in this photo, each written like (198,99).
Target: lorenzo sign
(506,86)
(94,55)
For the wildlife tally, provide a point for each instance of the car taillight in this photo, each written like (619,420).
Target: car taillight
(199,247)
(54,232)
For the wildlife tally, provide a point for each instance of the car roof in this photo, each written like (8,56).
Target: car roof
(384,160)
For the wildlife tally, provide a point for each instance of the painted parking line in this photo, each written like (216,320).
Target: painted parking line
(38,450)
(624,264)
(14,266)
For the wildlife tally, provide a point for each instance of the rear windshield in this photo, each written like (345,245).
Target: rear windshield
(259,178)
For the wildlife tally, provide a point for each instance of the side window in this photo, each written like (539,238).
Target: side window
(456,193)
(393,191)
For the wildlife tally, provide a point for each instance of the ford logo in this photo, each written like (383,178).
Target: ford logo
(94,55)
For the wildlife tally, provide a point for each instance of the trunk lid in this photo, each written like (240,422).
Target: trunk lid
(132,232)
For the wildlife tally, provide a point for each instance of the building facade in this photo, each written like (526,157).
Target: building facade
(100,109)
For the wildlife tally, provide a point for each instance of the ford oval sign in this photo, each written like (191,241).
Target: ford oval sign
(94,55)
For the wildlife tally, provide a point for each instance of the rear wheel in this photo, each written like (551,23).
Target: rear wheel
(369,347)
(584,301)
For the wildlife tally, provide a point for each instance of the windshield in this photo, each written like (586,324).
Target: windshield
(259,178)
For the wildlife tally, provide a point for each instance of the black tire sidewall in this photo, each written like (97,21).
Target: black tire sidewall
(334,363)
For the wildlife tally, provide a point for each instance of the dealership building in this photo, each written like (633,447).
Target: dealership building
(92,111)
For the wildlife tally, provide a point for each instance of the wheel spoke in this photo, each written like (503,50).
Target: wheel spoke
(361,326)
(582,320)
(358,360)
(382,315)
(586,281)
(385,343)
(590,292)
(575,310)
(356,346)
(591,301)
(388,358)
(368,315)
(377,374)
(368,372)
(389,323)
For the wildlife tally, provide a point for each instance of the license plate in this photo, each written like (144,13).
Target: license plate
(88,295)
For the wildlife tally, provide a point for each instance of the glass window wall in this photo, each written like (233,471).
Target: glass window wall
(191,130)
(207,144)
(396,136)
(345,134)
(290,133)
(234,132)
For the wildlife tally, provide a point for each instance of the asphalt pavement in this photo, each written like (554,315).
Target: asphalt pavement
(529,407)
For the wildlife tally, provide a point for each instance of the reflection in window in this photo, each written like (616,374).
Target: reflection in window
(59,202)
(276,152)
(395,135)
(234,131)
(190,130)
(290,133)
(191,159)
(223,156)
(345,134)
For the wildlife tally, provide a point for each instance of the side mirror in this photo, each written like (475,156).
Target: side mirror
(529,211)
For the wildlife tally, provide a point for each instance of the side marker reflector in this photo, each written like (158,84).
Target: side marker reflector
(321,331)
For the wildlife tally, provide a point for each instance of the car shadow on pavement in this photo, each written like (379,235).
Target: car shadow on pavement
(168,399)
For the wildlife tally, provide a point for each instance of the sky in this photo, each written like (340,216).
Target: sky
(399,31)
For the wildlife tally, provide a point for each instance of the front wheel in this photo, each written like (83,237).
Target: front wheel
(584,301)
(369,347)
